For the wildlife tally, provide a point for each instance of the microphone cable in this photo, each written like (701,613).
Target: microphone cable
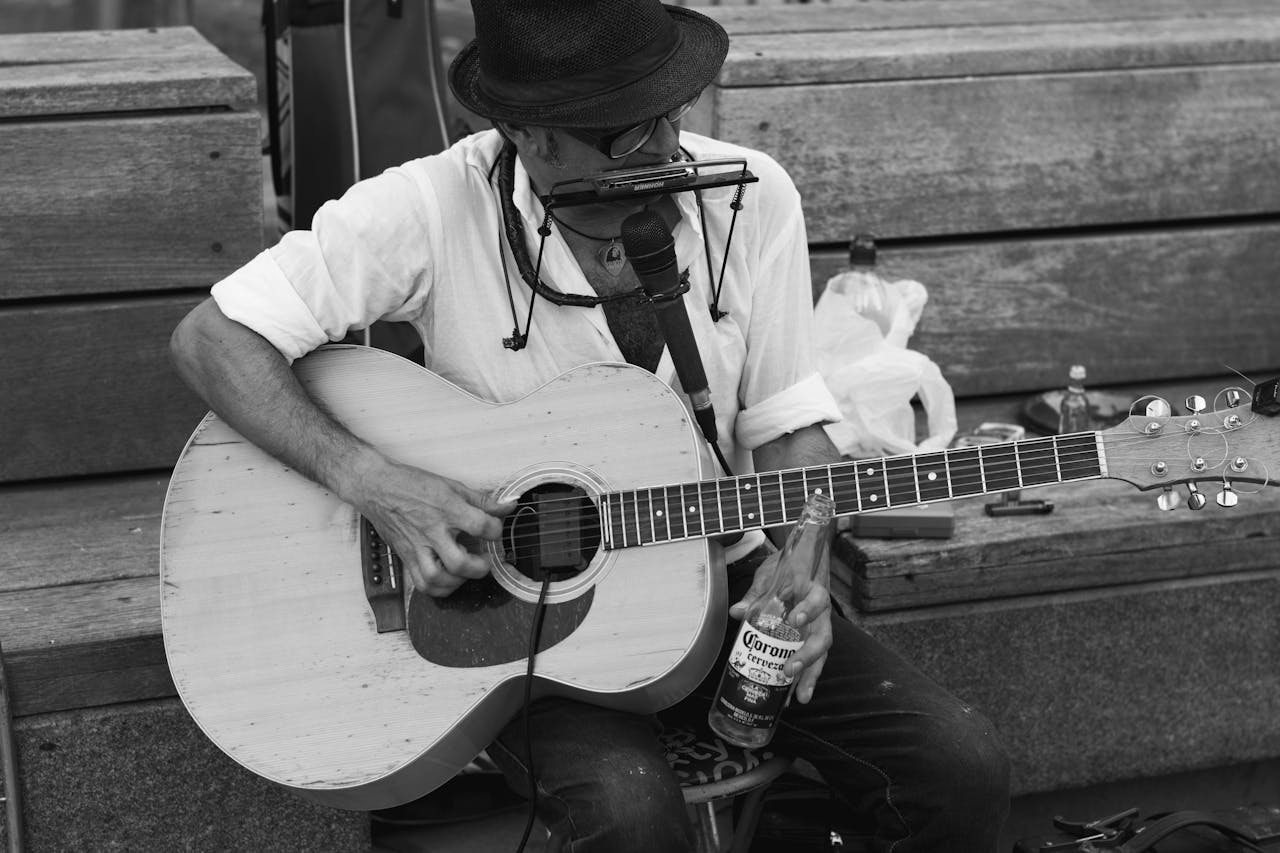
(535,633)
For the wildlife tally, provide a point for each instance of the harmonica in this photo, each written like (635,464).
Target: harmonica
(659,179)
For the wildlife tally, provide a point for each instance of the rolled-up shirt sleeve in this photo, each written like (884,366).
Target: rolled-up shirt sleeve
(781,390)
(260,297)
(803,404)
(363,259)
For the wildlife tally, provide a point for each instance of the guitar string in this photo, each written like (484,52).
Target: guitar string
(843,472)
(791,492)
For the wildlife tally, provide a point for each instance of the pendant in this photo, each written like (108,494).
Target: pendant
(612,257)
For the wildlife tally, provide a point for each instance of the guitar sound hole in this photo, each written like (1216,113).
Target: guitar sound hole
(554,531)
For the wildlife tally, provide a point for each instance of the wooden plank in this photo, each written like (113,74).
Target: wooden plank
(87,674)
(89,388)
(47,74)
(838,15)
(1137,307)
(84,644)
(999,154)
(128,204)
(1099,534)
(61,533)
(859,56)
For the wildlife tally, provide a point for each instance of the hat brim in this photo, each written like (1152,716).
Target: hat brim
(694,65)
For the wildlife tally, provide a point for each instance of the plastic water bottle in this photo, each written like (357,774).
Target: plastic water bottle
(754,690)
(1073,412)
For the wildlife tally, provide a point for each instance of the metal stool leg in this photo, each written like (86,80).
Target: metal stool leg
(744,829)
(708,829)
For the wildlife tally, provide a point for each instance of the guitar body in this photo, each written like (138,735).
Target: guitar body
(272,643)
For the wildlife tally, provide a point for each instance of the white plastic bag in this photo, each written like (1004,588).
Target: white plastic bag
(862,324)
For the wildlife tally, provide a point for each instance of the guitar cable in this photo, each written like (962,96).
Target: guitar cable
(535,634)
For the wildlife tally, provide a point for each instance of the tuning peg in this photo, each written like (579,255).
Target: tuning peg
(1195,498)
(1227,497)
(1234,397)
(1158,407)
(1196,404)
(1169,499)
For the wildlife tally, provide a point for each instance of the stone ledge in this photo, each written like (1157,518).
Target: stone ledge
(141,776)
(1117,683)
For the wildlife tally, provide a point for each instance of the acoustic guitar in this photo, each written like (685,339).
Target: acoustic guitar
(297,648)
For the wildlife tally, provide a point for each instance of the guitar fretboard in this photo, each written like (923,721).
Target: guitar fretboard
(734,504)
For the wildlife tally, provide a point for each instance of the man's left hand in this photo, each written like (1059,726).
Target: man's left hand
(812,615)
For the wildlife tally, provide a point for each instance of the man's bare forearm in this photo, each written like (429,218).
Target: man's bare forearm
(242,378)
(803,448)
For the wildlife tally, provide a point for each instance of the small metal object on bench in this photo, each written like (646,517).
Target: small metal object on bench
(1011,503)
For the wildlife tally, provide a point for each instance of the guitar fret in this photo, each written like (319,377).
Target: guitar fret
(1039,460)
(760,500)
(720,507)
(946,465)
(932,482)
(665,515)
(782,497)
(901,485)
(1057,459)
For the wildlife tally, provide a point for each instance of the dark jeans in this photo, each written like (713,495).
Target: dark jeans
(924,769)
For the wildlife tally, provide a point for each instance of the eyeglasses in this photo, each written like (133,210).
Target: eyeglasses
(616,144)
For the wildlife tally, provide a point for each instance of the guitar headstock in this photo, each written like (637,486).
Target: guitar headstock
(1234,442)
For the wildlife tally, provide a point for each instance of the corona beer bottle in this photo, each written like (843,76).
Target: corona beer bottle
(753,689)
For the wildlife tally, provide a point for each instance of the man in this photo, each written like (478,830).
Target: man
(575,88)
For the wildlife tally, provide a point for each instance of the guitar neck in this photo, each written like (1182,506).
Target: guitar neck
(736,504)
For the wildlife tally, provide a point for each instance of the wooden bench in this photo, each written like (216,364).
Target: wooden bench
(132,179)
(1103,167)
(1074,181)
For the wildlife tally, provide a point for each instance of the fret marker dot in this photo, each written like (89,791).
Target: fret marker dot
(874,498)
(659,513)
(870,471)
(747,486)
(933,475)
(751,515)
(693,509)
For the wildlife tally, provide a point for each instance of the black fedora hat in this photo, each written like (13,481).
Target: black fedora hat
(585,63)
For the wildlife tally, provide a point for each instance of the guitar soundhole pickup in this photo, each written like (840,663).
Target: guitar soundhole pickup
(553,532)
(383,579)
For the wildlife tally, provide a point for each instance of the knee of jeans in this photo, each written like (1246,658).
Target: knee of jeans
(633,808)
(964,753)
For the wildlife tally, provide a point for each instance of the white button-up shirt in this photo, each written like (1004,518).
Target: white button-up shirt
(422,243)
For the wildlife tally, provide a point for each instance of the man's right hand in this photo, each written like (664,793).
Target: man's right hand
(420,515)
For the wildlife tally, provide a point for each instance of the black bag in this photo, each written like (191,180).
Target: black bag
(1248,828)
(353,88)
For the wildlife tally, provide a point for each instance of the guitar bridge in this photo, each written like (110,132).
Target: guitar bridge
(383,579)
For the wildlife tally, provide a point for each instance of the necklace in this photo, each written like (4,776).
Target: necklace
(611,255)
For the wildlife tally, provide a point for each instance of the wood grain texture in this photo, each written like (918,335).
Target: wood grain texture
(802,56)
(61,533)
(84,644)
(1128,541)
(1013,153)
(841,15)
(1137,307)
(273,648)
(112,204)
(89,388)
(44,74)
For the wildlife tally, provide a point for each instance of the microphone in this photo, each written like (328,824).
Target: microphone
(652,252)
